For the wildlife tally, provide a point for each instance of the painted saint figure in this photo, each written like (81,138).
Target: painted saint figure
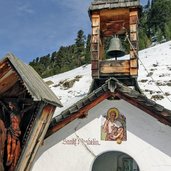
(13,135)
(114,126)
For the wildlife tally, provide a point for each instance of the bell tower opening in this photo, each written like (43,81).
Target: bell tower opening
(115,161)
(116,21)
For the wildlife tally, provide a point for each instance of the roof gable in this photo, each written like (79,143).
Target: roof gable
(111,89)
(34,84)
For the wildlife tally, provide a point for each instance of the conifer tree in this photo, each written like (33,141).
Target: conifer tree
(80,47)
(88,55)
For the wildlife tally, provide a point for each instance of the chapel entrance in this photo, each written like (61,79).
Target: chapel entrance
(114,161)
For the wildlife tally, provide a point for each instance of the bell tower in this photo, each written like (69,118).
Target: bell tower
(114,19)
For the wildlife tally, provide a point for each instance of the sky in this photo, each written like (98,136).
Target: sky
(34,28)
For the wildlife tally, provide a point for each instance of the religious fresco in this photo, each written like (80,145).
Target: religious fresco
(113,127)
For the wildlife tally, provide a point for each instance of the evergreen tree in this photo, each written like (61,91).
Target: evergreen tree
(88,55)
(159,14)
(80,47)
(168,30)
(155,22)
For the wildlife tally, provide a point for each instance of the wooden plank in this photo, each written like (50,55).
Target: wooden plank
(133,63)
(135,45)
(35,138)
(133,27)
(119,75)
(108,13)
(95,55)
(110,70)
(133,19)
(95,20)
(101,52)
(95,73)
(134,12)
(76,115)
(4,70)
(114,66)
(49,110)
(95,38)
(95,30)
(133,36)
(7,81)
(94,64)
(133,71)
(116,63)
(94,46)
(3,64)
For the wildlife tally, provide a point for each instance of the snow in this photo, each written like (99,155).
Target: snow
(154,80)
(156,60)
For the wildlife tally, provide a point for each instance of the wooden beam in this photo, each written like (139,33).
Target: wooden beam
(76,115)
(7,81)
(109,13)
(120,66)
(35,138)
(4,68)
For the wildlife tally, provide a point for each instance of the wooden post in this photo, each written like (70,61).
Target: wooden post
(95,43)
(134,41)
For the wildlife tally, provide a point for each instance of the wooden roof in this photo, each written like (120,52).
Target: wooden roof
(34,84)
(109,4)
(111,88)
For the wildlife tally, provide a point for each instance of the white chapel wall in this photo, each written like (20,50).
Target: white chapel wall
(76,146)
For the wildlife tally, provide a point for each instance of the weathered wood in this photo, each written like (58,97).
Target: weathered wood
(109,13)
(134,41)
(133,63)
(95,44)
(113,21)
(4,69)
(107,22)
(133,28)
(95,73)
(133,36)
(76,115)
(95,65)
(101,48)
(7,81)
(113,4)
(95,20)
(133,72)
(114,66)
(35,138)
(94,47)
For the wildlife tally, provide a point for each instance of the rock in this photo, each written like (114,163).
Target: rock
(149,74)
(49,82)
(157,97)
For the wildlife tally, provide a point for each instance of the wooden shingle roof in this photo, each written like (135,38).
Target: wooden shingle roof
(109,4)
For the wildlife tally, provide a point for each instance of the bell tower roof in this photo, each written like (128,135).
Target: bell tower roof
(109,4)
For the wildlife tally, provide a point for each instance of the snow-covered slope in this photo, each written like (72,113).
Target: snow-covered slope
(154,80)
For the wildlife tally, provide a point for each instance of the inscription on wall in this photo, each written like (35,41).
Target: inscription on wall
(78,141)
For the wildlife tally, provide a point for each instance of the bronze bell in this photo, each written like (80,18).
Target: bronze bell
(115,49)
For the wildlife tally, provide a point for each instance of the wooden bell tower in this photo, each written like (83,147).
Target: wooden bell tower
(109,18)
